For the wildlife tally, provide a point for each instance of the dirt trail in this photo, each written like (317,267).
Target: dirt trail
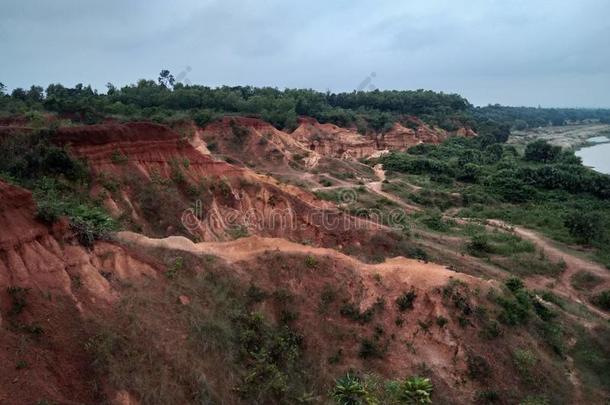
(574,264)
(409,270)
(376,187)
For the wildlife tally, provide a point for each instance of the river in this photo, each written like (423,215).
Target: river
(597,156)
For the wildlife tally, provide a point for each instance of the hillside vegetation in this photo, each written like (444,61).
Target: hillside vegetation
(140,262)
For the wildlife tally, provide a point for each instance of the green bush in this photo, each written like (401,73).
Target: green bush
(602,300)
(415,390)
(351,390)
(541,151)
(479,245)
(584,226)
(371,349)
(18,296)
(311,262)
(405,300)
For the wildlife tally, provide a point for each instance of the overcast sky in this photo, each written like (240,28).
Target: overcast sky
(514,52)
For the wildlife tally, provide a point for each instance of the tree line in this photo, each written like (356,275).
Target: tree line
(166,100)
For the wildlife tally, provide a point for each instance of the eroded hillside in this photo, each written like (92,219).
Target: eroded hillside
(239,263)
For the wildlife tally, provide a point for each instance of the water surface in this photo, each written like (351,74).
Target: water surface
(596,156)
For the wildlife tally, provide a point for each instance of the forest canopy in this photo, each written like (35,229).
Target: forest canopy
(166,100)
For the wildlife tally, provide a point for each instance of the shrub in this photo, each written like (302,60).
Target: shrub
(479,245)
(491,329)
(541,151)
(327,297)
(18,295)
(176,265)
(516,309)
(415,390)
(28,157)
(351,311)
(117,157)
(311,262)
(256,294)
(370,348)
(585,227)
(524,362)
(478,367)
(441,321)
(405,300)
(434,221)
(602,300)
(487,397)
(514,284)
(204,117)
(585,281)
(351,390)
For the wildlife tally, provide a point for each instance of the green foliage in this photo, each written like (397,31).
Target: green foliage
(28,157)
(238,231)
(584,226)
(534,117)
(602,300)
(591,355)
(89,221)
(327,297)
(261,361)
(541,151)
(478,367)
(58,181)
(311,262)
(175,266)
(441,321)
(525,362)
(351,390)
(18,296)
(434,220)
(204,117)
(585,281)
(479,245)
(487,397)
(164,99)
(516,309)
(351,311)
(266,353)
(554,194)
(371,348)
(117,157)
(415,390)
(405,300)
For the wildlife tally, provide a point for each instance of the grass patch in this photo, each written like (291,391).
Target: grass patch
(585,281)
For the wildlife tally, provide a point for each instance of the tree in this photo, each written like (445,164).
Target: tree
(19,94)
(584,226)
(35,94)
(2,89)
(520,125)
(541,151)
(111,89)
(166,79)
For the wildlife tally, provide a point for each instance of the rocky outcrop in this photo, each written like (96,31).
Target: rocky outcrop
(203,198)
(331,140)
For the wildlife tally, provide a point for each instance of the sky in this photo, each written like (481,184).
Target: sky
(553,53)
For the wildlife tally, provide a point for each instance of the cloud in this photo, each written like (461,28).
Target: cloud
(518,52)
